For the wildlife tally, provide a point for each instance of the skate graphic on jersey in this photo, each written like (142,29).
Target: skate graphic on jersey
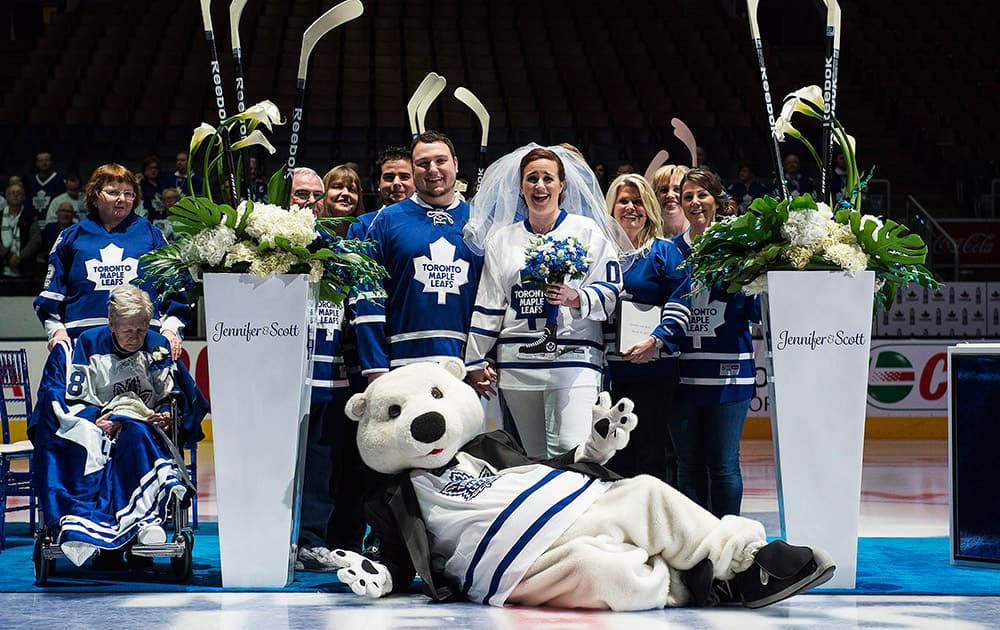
(441,273)
(111,270)
(466,486)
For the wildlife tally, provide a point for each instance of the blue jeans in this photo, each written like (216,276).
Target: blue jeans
(707,441)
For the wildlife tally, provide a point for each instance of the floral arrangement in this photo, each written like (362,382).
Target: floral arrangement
(801,233)
(260,239)
(550,261)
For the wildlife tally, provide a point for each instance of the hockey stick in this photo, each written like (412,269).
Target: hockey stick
(775,149)
(658,160)
(436,88)
(220,103)
(337,16)
(418,96)
(830,90)
(235,12)
(479,110)
(683,133)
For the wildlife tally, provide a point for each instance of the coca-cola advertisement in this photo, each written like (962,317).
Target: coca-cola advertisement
(977,242)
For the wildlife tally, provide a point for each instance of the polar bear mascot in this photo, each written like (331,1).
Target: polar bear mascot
(475,518)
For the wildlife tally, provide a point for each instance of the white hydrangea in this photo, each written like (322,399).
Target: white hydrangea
(267,222)
(273,262)
(210,245)
(848,257)
(315,270)
(241,252)
(799,255)
(805,228)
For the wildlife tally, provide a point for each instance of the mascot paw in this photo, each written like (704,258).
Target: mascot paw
(610,430)
(365,577)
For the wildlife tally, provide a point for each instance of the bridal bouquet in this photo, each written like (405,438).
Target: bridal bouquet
(551,261)
(802,233)
(259,239)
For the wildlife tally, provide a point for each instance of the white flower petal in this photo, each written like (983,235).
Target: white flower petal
(202,131)
(265,113)
(254,138)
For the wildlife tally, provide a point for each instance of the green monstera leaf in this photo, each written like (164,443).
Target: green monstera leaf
(889,244)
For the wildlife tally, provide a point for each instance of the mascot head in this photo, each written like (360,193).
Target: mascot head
(416,416)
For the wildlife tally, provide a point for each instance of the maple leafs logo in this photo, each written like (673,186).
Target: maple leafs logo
(464,485)
(329,317)
(441,273)
(706,317)
(111,270)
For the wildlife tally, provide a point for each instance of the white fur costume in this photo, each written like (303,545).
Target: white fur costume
(624,549)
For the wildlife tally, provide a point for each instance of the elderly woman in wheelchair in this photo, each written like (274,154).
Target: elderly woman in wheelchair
(110,411)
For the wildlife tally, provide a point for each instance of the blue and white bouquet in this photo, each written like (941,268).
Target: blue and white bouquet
(549,261)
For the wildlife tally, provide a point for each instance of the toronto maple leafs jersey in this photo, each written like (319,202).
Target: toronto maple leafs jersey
(716,362)
(504,519)
(101,370)
(431,286)
(510,314)
(39,193)
(329,375)
(654,278)
(87,262)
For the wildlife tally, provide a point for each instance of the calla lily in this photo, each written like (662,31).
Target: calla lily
(204,130)
(783,126)
(850,141)
(254,138)
(807,100)
(264,112)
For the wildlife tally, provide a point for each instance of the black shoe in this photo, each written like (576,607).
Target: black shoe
(706,591)
(541,349)
(781,570)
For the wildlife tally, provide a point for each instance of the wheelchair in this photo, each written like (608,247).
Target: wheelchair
(179,548)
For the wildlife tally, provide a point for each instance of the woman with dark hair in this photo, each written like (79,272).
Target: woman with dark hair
(716,367)
(646,370)
(549,367)
(99,253)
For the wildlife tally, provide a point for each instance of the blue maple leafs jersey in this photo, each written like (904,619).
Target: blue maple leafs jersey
(431,288)
(87,262)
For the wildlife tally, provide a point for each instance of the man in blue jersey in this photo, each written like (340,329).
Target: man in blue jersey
(433,276)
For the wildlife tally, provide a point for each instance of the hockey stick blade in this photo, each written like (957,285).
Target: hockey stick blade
(436,88)
(338,15)
(235,13)
(418,96)
(472,102)
(683,133)
(658,160)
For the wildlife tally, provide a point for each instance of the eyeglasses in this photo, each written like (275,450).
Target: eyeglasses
(115,194)
(305,195)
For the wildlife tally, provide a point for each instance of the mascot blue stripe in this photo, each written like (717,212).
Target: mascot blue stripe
(540,522)
(498,523)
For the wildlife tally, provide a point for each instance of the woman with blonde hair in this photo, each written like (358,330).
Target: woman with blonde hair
(343,196)
(646,370)
(667,185)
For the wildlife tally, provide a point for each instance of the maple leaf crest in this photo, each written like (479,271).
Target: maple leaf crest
(111,270)
(329,317)
(706,317)
(441,273)
(464,485)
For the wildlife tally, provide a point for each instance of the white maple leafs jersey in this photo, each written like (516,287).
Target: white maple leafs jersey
(503,519)
(431,288)
(510,314)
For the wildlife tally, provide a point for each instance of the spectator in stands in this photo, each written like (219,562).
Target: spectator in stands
(646,371)
(74,195)
(181,176)
(838,177)
(102,252)
(746,189)
(20,236)
(65,217)
(152,187)
(798,183)
(343,195)
(601,171)
(257,181)
(667,184)
(169,197)
(703,160)
(43,186)
(625,168)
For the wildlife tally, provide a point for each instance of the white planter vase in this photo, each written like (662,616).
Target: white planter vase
(818,328)
(257,330)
